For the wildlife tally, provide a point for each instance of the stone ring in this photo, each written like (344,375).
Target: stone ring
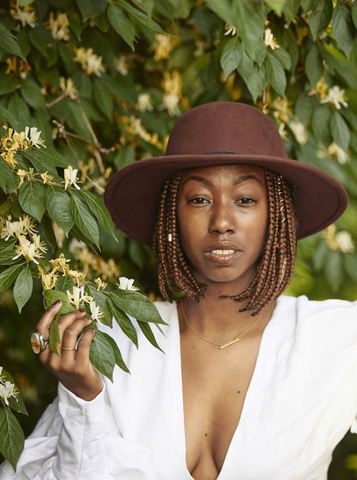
(38,342)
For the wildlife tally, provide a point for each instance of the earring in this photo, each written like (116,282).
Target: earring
(169,237)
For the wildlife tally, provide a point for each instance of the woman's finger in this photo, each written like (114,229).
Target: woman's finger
(70,336)
(82,355)
(44,324)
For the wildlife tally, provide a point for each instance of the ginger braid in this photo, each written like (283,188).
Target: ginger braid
(276,261)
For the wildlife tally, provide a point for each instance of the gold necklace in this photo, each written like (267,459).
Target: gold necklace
(215,343)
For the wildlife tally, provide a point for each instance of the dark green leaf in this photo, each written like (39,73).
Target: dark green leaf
(12,438)
(340,131)
(102,355)
(124,157)
(54,333)
(48,229)
(118,358)
(44,264)
(276,74)
(5,208)
(260,53)
(320,17)
(246,65)
(123,321)
(31,92)
(137,253)
(51,296)
(16,210)
(8,42)
(121,23)
(16,404)
(290,9)
(231,55)
(342,27)
(23,42)
(43,160)
(64,283)
(5,115)
(20,112)
(103,99)
(8,83)
(78,235)
(7,252)
(23,288)
(103,22)
(333,270)
(40,38)
(350,265)
(282,55)
(321,125)
(354,14)
(141,17)
(84,219)
(305,109)
(32,198)
(314,66)
(145,328)
(75,18)
(7,277)
(100,211)
(256,82)
(101,300)
(58,205)
(319,256)
(249,18)
(91,8)
(5,174)
(136,305)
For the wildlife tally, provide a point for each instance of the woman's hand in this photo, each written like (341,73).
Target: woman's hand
(72,367)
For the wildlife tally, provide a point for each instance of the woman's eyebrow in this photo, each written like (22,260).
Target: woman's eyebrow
(236,181)
(198,179)
(244,178)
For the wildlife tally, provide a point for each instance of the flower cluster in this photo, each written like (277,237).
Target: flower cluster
(78,299)
(137,128)
(7,389)
(126,284)
(67,87)
(336,96)
(90,62)
(18,66)
(59,26)
(163,46)
(25,15)
(341,241)
(14,141)
(173,92)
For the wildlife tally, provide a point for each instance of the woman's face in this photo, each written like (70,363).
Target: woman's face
(223,216)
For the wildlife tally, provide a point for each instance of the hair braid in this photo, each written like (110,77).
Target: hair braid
(276,261)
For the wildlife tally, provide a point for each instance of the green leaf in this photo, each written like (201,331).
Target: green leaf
(124,157)
(354,14)
(282,55)
(314,66)
(103,99)
(276,74)
(121,23)
(20,111)
(12,438)
(5,115)
(58,205)
(64,283)
(51,296)
(40,38)
(84,219)
(48,229)
(141,17)
(23,42)
(101,354)
(304,109)
(136,252)
(5,174)
(340,131)
(75,18)
(246,65)
(320,17)
(290,9)
(32,198)
(321,124)
(103,22)
(5,208)
(118,358)
(44,264)
(123,321)
(145,328)
(257,81)
(231,55)
(249,18)
(8,276)
(16,404)
(7,252)
(350,265)
(260,53)
(8,83)
(99,210)
(23,288)
(78,235)
(8,42)
(31,92)
(54,333)
(101,300)
(44,160)
(16,210)
(136,305)
(91,8)
(333,270)
(342,27)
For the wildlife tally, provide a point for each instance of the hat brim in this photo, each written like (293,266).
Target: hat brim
(132,195)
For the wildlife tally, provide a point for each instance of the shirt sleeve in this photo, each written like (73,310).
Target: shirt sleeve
(79,440)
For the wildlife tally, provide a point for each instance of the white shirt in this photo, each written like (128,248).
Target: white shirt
(301,401)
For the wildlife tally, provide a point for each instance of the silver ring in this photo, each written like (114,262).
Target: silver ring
(38,342)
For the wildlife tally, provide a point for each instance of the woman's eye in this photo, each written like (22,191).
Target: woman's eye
(198,201)
(246,201)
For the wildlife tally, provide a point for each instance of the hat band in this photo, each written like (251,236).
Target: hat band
(213,153)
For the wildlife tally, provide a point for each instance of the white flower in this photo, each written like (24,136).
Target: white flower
(298,130)
(341,241)
(29,250)
(126,284)
(230,29)
(269,40)
(96,314)
(25,17)
(76,247)
(282,131)
(144,102)
(341,155)
(78,296)
(336,96)
(171,101)
(7,391)
(23,226)
(34,137)
(70,176)
(121,66)
(95,65)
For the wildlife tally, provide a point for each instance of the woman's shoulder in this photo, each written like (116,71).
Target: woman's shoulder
(303,305)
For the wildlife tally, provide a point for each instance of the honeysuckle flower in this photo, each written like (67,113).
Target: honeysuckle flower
(38,244)
(95,312)
(163,46)
(59,26)
(144,102)
(75,297)
(282,131)
(126,284)
(269,39)
(90,62)
(27,249)
(100,284)
(76,276)
(336,95)
(299,131)
(34,137)
(320,88)
(341,241)
(59,234)
(26,15)
(22,174)
(7,390)
(341,155)
(46,178)
(282,109)
(70,176)
(48,280)
(67,87)
(20,227)
(121,66)
(75,247)
(230,29)
(171,101)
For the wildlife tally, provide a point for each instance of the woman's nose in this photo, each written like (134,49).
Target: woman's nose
(222,219)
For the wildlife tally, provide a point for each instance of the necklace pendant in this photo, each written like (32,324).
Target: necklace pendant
(227,344)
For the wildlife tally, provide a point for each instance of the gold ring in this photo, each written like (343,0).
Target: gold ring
(70,349)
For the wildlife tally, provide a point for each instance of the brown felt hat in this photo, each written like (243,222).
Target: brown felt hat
(221,133)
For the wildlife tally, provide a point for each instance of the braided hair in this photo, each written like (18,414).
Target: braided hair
(277,259)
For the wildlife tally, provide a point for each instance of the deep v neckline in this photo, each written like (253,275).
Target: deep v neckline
(256,379)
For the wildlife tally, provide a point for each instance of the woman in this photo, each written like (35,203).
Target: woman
(262,388)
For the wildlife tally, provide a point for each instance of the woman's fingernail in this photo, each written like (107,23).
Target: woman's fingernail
(91,328)
(87,318)
(56,303)
(80,310)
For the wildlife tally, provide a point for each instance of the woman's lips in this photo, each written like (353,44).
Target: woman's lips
(222,256)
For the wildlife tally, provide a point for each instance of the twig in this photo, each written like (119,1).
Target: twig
(89,126)
(64,96)
(139,6)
